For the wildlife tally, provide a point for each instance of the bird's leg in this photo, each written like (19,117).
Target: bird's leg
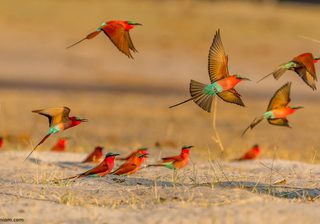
(216,137)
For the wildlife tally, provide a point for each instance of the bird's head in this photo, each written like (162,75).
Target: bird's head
(77,120)
(256,148)
(62,141)
(316,60)
(186,149)
(143,150)
(296,108)
(238,77)
(110,156)
(142,155)
(132,23)
(98,148)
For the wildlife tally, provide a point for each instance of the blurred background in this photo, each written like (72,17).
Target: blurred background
(126,101)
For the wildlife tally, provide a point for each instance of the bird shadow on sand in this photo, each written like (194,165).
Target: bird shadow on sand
(279,191)
(134,181)
(64,164)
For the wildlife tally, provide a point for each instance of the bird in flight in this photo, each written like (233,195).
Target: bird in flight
(222,84)
(303,65)
(176,162)
(59,120)
(118,33)
(277,110)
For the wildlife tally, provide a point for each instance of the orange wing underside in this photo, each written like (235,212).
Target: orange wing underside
(307,60)
(120,38)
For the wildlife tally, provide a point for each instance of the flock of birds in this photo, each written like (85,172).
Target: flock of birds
(222,84)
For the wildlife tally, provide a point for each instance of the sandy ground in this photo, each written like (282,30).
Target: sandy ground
(205,192)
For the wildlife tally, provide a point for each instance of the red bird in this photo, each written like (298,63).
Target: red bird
(60,146)
(1,142)
(131,166)
(176,162)
(95,156)
(303,65)
(253,153)
(142,150)
(100,170)
(118,33)
(59,120)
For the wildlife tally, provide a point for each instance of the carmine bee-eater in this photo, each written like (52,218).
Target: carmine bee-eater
(59,120)
(118,33)
(100,170)
(142,150)
(95,156)
(60,146)
(222,84)
(303,65)
(253,153)
(131,166)
(277,110)
(176,162)
(1,142)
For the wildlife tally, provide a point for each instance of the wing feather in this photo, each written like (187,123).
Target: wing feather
(281,98)
(217,60)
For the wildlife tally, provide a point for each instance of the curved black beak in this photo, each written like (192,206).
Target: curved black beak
(84,120)
(137,24)
(245,79)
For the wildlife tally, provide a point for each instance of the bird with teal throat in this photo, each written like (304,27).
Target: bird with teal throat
(59,120)
(222,84)
(277,110)
(118,33)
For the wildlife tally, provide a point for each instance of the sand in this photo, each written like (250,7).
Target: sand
(204,192)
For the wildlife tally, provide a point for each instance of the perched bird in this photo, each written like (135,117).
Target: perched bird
(59,120)
(100,170)
(277,110)
(253,153)
(222,84)
(95,156)
(142,150)
(118,33)
(176,162)
(1,142)
(60,146)
(303,65)
(131,166)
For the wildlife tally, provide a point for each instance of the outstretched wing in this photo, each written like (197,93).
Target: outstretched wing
(231,96)
(307,77)
(217,60)
(119,37)
(279,122)
(306,60)
(281,98)
(55,115)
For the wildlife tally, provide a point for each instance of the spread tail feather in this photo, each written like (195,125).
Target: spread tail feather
(43,139)
(256,121)
(199,97)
